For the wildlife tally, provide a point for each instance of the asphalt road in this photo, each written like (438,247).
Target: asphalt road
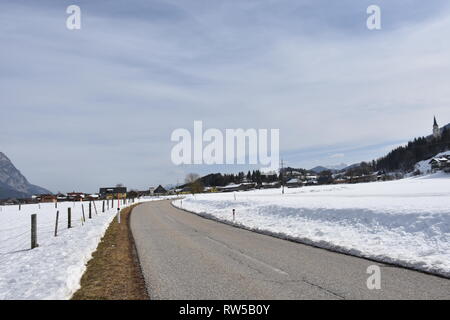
(184,256)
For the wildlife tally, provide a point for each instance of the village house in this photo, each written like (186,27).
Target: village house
(237,187)
(363,178)
(294,183)
(296,174)
(113,193)
(61,197)
(441,163)
(160,190)
(75,196)
(340,180)
(10,201)
(311,180)
(46,198)
(92,197)
(270,185)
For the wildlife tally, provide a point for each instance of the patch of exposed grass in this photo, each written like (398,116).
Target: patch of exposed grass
(114,272)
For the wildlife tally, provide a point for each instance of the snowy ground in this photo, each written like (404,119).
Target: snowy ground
(54,269)
(406,222)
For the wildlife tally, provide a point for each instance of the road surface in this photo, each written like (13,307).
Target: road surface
(184,256)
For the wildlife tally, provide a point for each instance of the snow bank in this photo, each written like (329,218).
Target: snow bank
(54,269)
(406,222)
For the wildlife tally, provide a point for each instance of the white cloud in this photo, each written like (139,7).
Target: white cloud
(105,99)
(337,155)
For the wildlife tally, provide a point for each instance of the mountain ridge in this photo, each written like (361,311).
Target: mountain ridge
(13,183)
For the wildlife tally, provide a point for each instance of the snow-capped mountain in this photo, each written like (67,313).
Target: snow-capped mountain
(336,167)
(13,184)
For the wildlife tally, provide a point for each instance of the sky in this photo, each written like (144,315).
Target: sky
(81,109)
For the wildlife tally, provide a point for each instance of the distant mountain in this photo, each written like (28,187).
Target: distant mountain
(352,166)
(318,169)
(13,184)
(338,166)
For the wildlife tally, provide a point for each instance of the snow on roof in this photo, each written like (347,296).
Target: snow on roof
(270,183)
(231,185)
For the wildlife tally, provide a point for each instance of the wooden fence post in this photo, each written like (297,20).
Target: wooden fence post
(82,210)
(95,208)
(56,223)
(69,218)
(118,215)
(34,243)
(103,206)
(90,209)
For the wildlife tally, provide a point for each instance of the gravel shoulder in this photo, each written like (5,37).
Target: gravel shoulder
(114,271)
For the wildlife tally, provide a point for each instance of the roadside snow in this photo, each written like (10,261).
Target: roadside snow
(54,269)
(406,222)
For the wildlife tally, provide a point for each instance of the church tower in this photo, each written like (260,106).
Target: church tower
(436,131)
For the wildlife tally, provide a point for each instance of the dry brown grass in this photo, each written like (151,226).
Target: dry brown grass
(114,272)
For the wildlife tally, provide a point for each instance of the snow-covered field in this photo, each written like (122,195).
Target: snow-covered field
(406,222)
(54,269)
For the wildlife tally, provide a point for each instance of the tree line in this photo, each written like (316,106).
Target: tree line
(220,180)
(405,157)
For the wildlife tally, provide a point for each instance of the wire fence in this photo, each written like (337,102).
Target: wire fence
(52,220)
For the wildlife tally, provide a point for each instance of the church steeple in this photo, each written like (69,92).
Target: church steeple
(436,131)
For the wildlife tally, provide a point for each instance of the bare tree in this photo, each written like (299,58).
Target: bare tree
(194,183)
(191,178)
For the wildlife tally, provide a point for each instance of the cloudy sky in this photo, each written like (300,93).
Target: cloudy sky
(94,107)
